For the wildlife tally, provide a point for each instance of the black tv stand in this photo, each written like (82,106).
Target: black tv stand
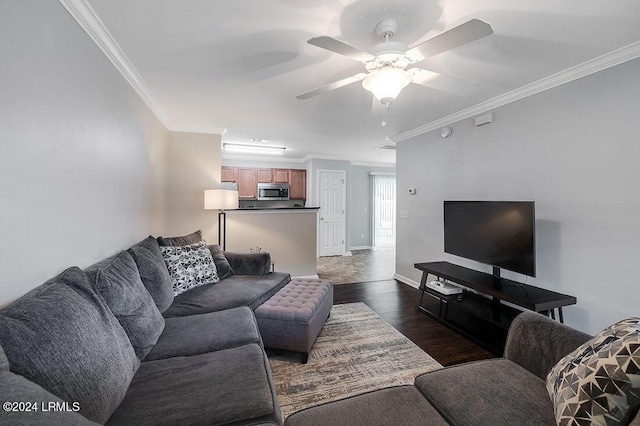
(480,313)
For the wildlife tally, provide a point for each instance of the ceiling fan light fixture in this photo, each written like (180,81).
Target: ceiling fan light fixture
(387,83)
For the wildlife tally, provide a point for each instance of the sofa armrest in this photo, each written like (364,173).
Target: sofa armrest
(537,343)
(249,263)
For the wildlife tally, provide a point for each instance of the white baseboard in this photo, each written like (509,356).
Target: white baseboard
(307,277)
(361,247)
(406,280)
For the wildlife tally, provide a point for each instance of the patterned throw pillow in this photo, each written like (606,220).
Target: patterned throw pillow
(599,382)
(189,266)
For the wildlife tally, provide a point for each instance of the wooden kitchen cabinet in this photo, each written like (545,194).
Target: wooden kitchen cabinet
(229,174)
(280,175)
(265,175)
(297,184)
(273,175)
(247,179)
(247,183)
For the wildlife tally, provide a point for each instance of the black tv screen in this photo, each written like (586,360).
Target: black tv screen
(498,233)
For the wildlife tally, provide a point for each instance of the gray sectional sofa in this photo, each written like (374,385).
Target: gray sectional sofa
(111,345)
(504,391)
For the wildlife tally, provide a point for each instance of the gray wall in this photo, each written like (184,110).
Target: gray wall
(194,167)
(573,150)
(81,156)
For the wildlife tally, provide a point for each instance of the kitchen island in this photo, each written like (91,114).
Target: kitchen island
(288,233)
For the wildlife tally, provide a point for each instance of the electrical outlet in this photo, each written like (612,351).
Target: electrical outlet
(404,214)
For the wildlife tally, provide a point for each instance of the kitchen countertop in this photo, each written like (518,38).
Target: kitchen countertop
(250,209)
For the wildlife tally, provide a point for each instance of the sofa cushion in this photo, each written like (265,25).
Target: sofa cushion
(189,266)
(184,240)
(223,387)
(63,337)
(599,382)
(153,271)
(117,280)
(252,263)
(238,290)
(492,392)
(222,264)
(40,403)
(197,334)
(400,405)
(537,342)
(4,362)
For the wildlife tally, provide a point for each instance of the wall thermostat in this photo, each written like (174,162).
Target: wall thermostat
(412,191)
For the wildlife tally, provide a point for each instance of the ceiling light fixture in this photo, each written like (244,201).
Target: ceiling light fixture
(253,149)
(386,83)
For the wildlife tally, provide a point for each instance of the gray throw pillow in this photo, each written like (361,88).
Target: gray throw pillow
(153,271)
(184,240)
(599,382)
(117,280)
(189,266)
(222,264)
(63,337)
(50,410)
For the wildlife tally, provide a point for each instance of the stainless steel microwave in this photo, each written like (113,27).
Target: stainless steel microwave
(273,191)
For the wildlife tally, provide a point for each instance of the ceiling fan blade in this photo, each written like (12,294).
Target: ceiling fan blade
(342,48)
(332,86)
(462,34)
(444,83)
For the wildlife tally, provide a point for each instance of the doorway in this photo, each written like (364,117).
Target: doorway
(332,222)
(383,202)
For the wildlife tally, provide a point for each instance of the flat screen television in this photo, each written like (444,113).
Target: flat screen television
(498,233)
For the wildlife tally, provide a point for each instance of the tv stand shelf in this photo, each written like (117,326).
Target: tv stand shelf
(480,314)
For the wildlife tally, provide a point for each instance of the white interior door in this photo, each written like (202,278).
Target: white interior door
(331,188)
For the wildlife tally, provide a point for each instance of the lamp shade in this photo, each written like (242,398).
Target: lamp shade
(220,199)
(386,83)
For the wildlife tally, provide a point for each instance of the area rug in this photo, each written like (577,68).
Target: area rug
(356,351)
(362,266)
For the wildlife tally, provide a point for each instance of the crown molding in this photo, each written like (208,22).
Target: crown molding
(373,164)
(592,66)
(86,17)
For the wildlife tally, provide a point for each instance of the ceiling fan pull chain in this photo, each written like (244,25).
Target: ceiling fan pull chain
(384,114)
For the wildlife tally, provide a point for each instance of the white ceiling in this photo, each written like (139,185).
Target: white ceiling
(237,65)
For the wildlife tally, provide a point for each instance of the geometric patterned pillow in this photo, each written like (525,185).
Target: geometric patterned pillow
(599,382)
(189,266)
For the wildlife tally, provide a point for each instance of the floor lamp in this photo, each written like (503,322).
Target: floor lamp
(221,200)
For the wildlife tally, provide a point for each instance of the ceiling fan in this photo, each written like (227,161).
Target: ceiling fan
(385,63)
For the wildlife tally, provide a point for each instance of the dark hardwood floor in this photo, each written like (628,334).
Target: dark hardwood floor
(397,303)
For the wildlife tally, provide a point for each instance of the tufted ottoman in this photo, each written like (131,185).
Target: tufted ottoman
(292,318)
